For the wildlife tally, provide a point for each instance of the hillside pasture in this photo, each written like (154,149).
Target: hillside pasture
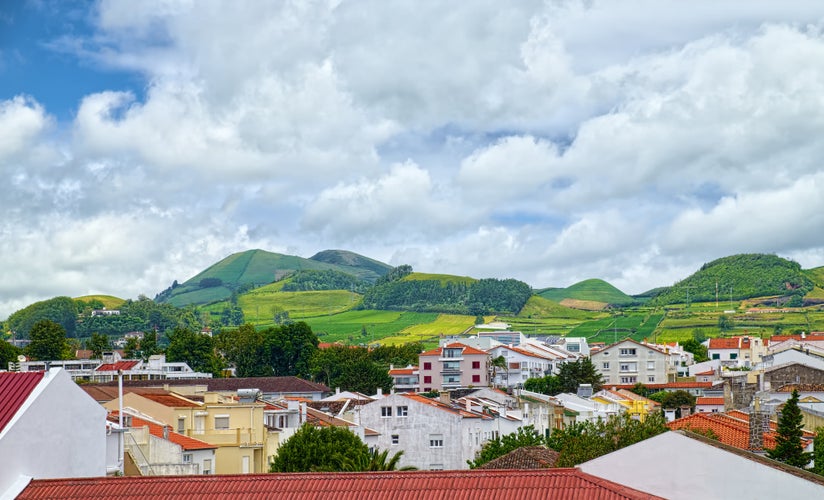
(443,278)
(260,305)
(366,326)
(109,301)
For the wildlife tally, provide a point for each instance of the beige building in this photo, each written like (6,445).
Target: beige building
(235,426)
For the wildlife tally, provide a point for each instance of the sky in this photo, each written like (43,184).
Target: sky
(547,141)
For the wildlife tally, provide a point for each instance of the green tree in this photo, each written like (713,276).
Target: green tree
(788,446)
(148,344)
(499,446)
(61,310)
(818,452)
(725,323)
(48,341)
(244,349)
(289,349)
(132,348)
(677,399)
(582,371)
(349,368)
(318,449)
(550,385)
(97,344)
(499,365)
(698,350)
(583,441)
(8,354)
(195,349)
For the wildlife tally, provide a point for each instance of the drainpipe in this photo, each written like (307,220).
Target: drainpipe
(120,444)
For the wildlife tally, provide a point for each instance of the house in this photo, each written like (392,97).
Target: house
(633,404)
(409,485)
(452,366)
(49,428)
(432,433)
(683,466)
(405,379)
(586,409)
(521,365)
(629,362)
(156,450)
(112,365)
(709,405)
(235,425)
(742,351)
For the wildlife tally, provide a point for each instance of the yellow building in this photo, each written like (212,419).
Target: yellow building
(235,425)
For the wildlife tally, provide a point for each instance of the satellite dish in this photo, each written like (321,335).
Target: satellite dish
(21,359)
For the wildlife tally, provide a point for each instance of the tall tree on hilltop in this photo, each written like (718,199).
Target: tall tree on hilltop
(788,448)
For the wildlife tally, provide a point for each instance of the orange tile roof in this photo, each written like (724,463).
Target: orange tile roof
(668,385)
(403,371)
(171,400)
(727,430)
(709,401)
(725,343)
(409,485)
(708,372)
(466,350)
(15,389)
(185,442)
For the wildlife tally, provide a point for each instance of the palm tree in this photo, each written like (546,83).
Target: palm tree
(499,362)
(372,461)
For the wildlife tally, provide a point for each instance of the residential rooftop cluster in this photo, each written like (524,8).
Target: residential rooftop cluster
(173,432)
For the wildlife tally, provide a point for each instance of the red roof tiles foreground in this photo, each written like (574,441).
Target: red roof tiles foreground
(185,442)
(15,388)
(727,430)
(416,485)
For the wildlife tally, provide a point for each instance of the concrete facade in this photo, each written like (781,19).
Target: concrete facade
(453,366)
(431,434)
(630,362)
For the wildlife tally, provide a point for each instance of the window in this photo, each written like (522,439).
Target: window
(403,411)
(476,365)
(427,379)
(436,440)
(221,421)
(386,411)
(451,366)
(716,355)
(650,365)
(395,439)
(207,466)
(181,425)
(187,458)
(733,355)
(627,352)
(476,379)
(452,353)
(606,353)
(427,365)
(605,365)
(629,380)
(436,467)
(629,367)
(573,347)
(651,378)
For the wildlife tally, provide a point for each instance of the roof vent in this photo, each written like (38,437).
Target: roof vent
(585,390)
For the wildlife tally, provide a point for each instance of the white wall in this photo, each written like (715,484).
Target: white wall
(59,432)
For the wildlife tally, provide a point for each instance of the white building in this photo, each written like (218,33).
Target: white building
(107,369)
(521,365)
(629,362)
(433,435)
(49,428)
(159,451)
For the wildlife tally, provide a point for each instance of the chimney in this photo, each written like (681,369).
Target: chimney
(166,432)
(468,405)
(380,392)
(444,397)
(337,390)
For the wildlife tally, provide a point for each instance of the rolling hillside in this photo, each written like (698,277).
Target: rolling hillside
(588,291)
(244,271)
(739,277)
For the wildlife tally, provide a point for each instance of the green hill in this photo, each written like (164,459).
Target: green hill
(739,277)
(348,259)
(591,290)
(241,272)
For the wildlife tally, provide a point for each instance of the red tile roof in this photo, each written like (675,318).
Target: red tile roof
(15,389)
(403,371)
(726,429)
(525,457)
(725,343)
(668,385)
(708,372)
(171,400)
(466,350)
(709,401)
(120,365)
(436,403)
(185,442)
(414,485)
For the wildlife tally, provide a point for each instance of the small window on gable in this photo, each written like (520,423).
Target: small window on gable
(395,439)
(386,411)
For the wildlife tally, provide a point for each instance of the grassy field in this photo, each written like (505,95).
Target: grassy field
(638,325)
(109,301)
(366,327)
(429,333)
(260,305)
(443,278)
